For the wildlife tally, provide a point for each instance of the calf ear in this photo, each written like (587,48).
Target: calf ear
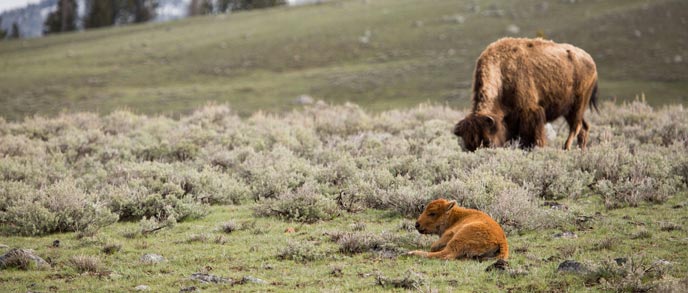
(451,205)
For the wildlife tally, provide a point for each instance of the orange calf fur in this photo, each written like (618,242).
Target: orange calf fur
(464,233)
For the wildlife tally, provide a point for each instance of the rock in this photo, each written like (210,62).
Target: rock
(208,278)
(3,246)
(152,258)
(555,205)
(566,235)
(661,262)
(620,260)
(56,243)
(570,266)
(513,29)
(305,100)
(254,280)
(21,258)
(678,59)
(550,133)
(142,288)
(499,265)
(189,289)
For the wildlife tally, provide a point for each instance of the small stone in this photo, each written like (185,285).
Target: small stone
(142,288)
(208,278)
(56,243)
(570,266)
(152,258)
(566,235)
(254,280)
(638,33)
(3,246)
(678,59)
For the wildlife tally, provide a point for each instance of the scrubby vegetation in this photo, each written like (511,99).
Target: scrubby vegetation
(83,172)
(335,189)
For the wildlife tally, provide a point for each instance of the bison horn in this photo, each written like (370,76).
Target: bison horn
(491,120)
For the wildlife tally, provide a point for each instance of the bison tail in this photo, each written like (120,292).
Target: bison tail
(503,250)
(593,99)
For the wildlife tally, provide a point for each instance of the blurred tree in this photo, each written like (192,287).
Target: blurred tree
(201,7)
(63,19)
(15,33)
(143,10)
(100,13)
(110,12)
(224,6)
(3,33)
(254,4)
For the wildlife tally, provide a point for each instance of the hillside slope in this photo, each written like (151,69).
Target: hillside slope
(380,54)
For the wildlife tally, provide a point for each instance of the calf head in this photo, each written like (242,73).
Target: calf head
(479,130)
(436,217)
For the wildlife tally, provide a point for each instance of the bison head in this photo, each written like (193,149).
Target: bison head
(478,130)
(435,217)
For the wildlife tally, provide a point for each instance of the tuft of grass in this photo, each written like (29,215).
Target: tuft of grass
(229,227)
(111,248)
(666,226)
(201,237)
(299,252)
(642,234)
(86,264)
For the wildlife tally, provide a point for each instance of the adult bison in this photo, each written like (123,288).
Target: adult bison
(521,84)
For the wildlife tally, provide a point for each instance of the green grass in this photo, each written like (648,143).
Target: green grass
(253,252)
(265,59)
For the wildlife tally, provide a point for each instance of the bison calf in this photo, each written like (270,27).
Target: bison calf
(464,233)
(521,84)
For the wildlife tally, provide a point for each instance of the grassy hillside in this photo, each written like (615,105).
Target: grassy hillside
(217,194)
(380,54)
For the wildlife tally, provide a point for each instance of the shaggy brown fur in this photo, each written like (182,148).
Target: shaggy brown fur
(521,84)
(464,233)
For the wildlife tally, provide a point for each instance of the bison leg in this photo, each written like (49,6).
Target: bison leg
(532,128)
(583,135)
(577,127)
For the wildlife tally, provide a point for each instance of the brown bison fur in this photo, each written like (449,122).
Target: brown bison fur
(521,84)
(464,233)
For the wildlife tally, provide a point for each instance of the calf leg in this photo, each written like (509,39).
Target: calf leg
(471,242)
(532,127)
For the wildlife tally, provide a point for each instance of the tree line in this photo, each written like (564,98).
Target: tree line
(102,13)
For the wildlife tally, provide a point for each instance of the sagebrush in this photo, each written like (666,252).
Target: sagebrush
(80,172)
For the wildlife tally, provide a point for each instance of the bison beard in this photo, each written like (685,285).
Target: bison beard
(521,84)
